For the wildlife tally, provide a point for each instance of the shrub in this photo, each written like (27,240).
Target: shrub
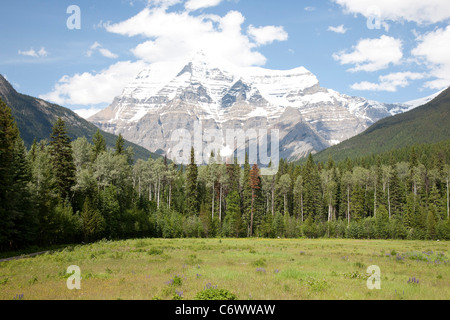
(259,263)
(177,281)
(213,293)
(354,230)
(316,284)
(355,275)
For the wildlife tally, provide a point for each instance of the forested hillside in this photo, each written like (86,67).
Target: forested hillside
(61,192)
(35,118)
(426,124)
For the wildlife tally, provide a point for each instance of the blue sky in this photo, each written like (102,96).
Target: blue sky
(390,51)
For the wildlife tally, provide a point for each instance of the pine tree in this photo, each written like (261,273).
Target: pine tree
(21,200)
(312,190)
(62,160)
(233,216)
(397,200)
(93,221)
(255,185)
(298,196)
(15,207)
(246,194)
(120,145)
(99,145)
(192,201)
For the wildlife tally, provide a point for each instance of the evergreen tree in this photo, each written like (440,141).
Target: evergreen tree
(246,194)
(233,217)
(93,221)
(120,145)
(312,190)
(62,160)
(15,206)
(255,185)
(21,200)
(99,145)
(192,201)
(298,196)
(397,200)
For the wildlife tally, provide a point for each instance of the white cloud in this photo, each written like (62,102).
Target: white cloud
(29,53)
(339,29)
(168,36)
(267,35)
(433,50)
(96,87)
(108,54)
(42,52)
(176,35)
(104,52)
(201,4)
(163,3)
(372,54)
(390,82)
(419,11)
(35,54)
(310,9)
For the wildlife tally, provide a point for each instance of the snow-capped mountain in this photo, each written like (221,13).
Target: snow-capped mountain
(420,102)
(169,96)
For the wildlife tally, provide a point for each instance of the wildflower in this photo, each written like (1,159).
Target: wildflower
(170,282)
(18,296)
(413,281)
(210,286)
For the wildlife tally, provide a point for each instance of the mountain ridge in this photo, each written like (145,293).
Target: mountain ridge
(165,97)
(35,118)
(428,124)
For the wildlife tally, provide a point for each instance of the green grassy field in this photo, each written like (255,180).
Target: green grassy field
(252,269)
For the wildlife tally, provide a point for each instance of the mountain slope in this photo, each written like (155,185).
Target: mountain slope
(35,118)
(429,123)
(170,96)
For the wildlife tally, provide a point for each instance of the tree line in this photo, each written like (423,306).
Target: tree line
(62,191)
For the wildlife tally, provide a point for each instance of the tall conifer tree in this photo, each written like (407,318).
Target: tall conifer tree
(192,203)
(62,159)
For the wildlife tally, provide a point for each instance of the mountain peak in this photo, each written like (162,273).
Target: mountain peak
(167,96)
(6,89)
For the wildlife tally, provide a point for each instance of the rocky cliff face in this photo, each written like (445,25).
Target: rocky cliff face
(168,97)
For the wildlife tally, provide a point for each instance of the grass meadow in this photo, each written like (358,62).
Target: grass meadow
(252,269)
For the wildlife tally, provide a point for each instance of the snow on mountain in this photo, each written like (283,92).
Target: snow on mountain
(169,96)
(422,101)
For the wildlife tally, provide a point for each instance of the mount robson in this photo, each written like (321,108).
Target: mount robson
(166,97)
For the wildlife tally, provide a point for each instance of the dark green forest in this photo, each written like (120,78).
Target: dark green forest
(62,191)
